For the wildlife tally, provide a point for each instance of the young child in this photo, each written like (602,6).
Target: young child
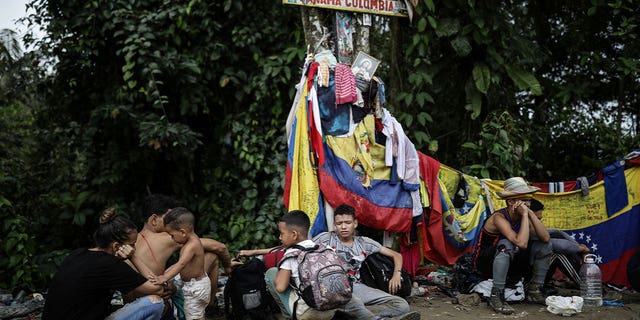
(196,287)
(294,229)
(155,247)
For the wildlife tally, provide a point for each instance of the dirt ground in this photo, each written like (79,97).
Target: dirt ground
(437,305)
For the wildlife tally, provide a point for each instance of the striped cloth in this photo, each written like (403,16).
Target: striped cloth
(345,84)
(566,267)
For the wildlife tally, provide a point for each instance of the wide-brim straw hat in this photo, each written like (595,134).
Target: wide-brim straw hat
(516,186)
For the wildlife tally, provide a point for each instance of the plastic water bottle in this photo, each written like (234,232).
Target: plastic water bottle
(591,282)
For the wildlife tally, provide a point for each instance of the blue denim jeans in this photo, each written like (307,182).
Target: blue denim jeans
(144,308)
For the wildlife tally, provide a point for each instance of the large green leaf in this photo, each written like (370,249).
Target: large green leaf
(461,46)
(524,80)
(482,77)
(447,27)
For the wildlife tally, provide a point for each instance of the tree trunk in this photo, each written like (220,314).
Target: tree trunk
(320,31)
(318,28)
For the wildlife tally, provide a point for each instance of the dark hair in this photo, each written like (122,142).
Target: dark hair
(157,204)
(298,220)
(345,209)
(536,205)
(112,228)
(179,218)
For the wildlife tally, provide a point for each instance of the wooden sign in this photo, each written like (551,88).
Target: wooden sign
(381,7)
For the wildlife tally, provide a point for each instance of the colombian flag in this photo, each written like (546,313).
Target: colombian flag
(450,231)
(301,191)
(354,173)
(347,169)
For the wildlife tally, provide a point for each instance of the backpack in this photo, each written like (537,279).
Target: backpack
(246,293)
(465,276)
(324,282)
(376,271)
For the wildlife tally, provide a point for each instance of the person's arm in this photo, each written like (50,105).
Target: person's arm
(219,249)
(520,239)
(186,255)
(148,288)
(255,252)
(396,279)
(539,228)
(283,276)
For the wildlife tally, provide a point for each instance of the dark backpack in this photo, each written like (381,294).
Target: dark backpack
(465,276)
(246,295)
(324,282)
(376,271)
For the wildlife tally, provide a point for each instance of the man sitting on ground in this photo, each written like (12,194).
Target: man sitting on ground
(567,252)
(294,230)
(155,246)
(353,250)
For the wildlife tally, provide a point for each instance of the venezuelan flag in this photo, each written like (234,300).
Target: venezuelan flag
(612,238)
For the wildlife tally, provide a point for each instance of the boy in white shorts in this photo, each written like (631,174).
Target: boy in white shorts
(180,224)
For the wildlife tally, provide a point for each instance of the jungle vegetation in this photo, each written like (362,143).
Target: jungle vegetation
(189,98)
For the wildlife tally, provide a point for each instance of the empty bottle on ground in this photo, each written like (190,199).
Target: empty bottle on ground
(591,282)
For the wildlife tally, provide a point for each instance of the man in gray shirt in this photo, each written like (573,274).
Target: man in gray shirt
(353,250)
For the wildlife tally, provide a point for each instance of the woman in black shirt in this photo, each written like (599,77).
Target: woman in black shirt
(83,286)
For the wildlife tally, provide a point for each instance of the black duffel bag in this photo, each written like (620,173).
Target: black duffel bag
(376,271)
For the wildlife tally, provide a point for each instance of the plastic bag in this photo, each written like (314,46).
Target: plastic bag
(566,306)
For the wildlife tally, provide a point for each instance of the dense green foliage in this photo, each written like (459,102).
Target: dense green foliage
(544,89)
(189,98)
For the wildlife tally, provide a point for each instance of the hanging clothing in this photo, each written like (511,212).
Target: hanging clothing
(345,84)
(335,119)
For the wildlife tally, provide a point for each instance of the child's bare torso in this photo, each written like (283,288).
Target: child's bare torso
(194,269)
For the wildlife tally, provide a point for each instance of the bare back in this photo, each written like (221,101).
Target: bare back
(155,249)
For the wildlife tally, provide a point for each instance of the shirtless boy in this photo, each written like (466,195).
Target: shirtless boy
(155,247)
(196,287)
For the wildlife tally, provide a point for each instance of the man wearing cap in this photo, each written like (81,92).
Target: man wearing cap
(506,250)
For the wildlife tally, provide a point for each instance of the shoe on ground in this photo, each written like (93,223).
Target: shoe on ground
(535,295)
(612,296)
(549,291)
(497,303)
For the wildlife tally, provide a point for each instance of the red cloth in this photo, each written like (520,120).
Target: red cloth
(345,83)
(315,136)
(436,248)
(634,162)
(544,186)
(273,258)
(411,257)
